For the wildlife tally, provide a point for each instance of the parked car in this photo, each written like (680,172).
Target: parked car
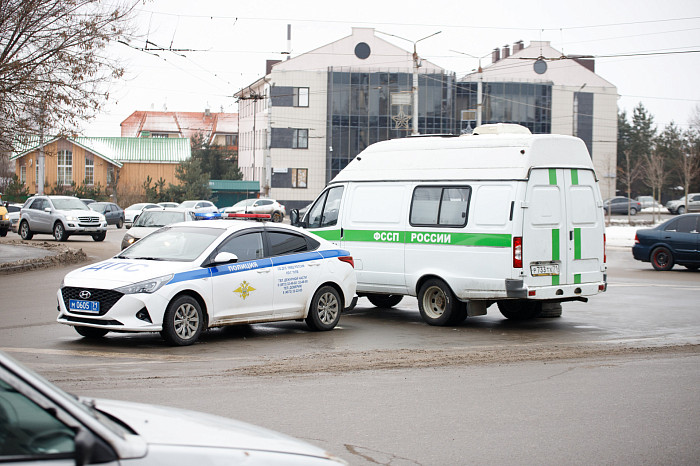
(676,241)
(132,212)
(88,201)
(151,220)
(191,276)
(678,206)
(259,206)
(169,204)
(646,201)
(41,424)
(60,216)
(112,212)
(621,205)
(199,206)
(13,211)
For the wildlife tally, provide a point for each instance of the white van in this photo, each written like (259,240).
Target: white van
(501,215)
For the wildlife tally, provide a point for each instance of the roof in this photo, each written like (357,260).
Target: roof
(468,157)
(234,185)
(119,150)
(184,124)
(518,67)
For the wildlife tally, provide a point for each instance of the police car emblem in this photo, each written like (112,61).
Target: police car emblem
(244,290)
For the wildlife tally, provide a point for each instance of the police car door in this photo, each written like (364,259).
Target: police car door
(296,271)
(244,288)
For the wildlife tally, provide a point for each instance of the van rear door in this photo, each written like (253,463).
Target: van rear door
(562,228)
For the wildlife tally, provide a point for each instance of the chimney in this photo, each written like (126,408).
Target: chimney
(495,55)
(207,112)
(518,46)
(506,51)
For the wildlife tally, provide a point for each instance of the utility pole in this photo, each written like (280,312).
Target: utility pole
(479,87)
(416,64)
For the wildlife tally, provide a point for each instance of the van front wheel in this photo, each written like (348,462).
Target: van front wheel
(438,305)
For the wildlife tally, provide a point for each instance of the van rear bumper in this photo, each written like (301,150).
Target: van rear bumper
(516,289)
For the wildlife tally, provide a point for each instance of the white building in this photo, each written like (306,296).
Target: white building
(537,87)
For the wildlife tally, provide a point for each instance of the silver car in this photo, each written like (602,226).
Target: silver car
(60,216)
(40,424)
(259,206)
(678,206)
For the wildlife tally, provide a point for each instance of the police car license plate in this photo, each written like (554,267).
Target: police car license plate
(543,269)
(84,306)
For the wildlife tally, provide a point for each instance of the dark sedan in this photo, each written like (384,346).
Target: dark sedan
(112,212)
(621,205)
(676,241)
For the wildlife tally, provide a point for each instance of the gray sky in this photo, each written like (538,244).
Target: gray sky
(232,40)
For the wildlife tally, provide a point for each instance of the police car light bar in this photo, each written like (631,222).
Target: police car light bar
(253,216)
(206,215)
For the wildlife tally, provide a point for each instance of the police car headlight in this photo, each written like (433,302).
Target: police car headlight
(147,286)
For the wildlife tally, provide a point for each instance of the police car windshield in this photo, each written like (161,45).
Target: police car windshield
(180,244)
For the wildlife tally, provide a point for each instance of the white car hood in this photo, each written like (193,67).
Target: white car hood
(171,426)
(114,272)
(140,232)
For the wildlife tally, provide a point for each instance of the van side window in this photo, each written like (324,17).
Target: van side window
(324,213)
(440,206)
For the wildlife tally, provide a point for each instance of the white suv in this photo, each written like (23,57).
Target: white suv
(60,216)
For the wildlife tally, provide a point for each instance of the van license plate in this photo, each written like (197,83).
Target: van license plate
(543,269)
(84,306)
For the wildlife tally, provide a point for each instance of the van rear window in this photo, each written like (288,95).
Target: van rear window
(440,206)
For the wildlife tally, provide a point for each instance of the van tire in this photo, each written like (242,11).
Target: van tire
(551,310)
(438,304)
(513,309)
(385,300)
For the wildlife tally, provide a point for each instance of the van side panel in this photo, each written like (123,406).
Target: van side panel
(373,229)
(587,225)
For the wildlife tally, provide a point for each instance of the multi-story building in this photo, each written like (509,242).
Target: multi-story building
(308,116)
(540,88)
(303,121)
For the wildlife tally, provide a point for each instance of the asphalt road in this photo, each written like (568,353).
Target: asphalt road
(612,381)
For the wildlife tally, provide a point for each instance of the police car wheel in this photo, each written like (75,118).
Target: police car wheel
(326,306)
(91,332)
(385,300)
(438,305)
(183,321)
(519,309)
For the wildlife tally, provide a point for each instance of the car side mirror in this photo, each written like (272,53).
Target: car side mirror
(225,258)
(47,209)
(295,218)
(90,449)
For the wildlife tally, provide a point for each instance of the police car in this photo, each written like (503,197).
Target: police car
(190,276)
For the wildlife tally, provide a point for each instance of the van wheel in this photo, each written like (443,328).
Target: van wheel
(59,232)
(385,300)
(551,310)
(662,259)
(324,313)
(438,305)
(183,322)
(520,309)
(24,231)
(91,332)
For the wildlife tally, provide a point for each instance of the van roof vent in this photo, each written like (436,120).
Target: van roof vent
(501,128)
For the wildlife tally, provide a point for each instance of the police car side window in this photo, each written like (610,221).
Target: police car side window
(282,243)
(247,247)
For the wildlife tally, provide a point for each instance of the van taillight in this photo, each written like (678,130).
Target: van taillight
(605,248)
(347,259)
(518,252)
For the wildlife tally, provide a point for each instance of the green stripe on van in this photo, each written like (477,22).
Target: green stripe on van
(418,237)
(577,278)
(574,177)
(552,176)
(577,243)
(555,253)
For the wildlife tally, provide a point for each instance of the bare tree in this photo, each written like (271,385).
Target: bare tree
(654,173)
(54,65)
(628,173)
(687,164)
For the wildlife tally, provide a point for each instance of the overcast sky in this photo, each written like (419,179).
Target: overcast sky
(229,42)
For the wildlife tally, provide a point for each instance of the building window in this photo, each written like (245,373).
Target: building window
(110,175)
(159,135)
(300,139)
(65,167)
(301,97)
(231,140)
(23,174)
(36,173)
(89,171)
(299,177)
